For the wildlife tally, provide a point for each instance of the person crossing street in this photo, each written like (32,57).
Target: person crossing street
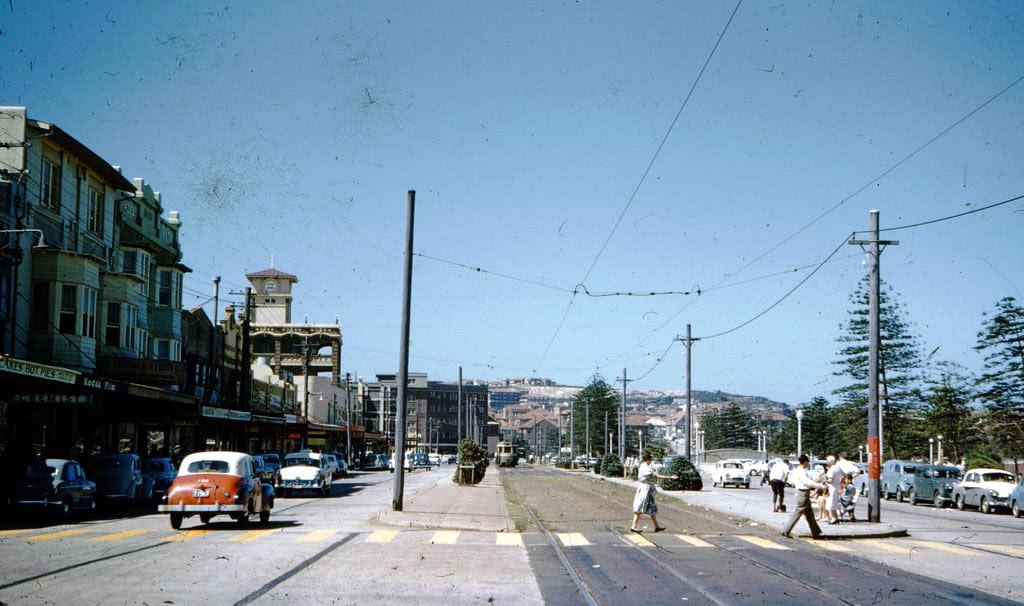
(804,485)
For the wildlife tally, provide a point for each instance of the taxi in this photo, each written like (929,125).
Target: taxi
(214,483)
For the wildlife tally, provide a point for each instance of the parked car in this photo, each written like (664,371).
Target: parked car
(407,465)
(118,477)
(160,471)
(730,471)
(263,470)
(272,461)
(342,464)
(451,459)
(897,478)
(56,484)
(757,468)
(1017,499)
(986,489)
(860,481)
(304,471)
(435,459)
(214,483)
(330,465)
(376,462)
(933,483)
(421,460)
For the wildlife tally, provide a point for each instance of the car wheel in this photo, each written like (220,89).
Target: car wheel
(205,518)
(264,516)
(885,492)
(959,502)
(899,494)
(176,519)
(65,508)
(912,496)
(1015,509)
(984,506)
(937,500)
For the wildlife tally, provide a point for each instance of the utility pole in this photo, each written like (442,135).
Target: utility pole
(688,342)
(622,418)
(348,419)
(458,407)
(245,392)
(403,360)
(874,346)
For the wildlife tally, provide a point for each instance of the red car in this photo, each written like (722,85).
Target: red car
(213,483)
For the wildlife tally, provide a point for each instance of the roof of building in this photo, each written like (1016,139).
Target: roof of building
(91,158)
(272,273)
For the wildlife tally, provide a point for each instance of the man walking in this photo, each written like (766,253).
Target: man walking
(803,484)
(777,478)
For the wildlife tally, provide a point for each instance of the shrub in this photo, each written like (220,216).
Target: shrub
(563,463)
(471,453)
(611,466)
(983,458)
(689,477)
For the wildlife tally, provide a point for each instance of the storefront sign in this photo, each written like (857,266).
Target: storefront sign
(38,371)
(159,394)
(51,398)
(266,419)
(226,414)
(101,384)
(150,372)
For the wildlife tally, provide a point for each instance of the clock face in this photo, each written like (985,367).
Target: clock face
(269,286)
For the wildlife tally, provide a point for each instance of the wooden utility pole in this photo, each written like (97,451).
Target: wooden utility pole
(688,342)
(403,361)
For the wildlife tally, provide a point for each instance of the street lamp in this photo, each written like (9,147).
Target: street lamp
(42,241)
(799,432)
(940,449)
(860,453)
(931,451)
(696,431)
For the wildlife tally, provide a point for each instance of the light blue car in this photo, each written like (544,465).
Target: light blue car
(1017,499)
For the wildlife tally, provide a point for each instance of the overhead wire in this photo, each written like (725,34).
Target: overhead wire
(950,217)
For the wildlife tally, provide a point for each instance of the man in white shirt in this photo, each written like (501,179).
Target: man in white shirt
(803,484)
(777,478)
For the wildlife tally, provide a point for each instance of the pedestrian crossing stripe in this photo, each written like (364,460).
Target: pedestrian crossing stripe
(252,535)
(317,536)
(1007,549)
(508,539)
(186,535)
(382,536)
(694,541)
(949,548)
(761,542)
(56,535)
(11,533)
(829,546)
(879,544)
(573,539)
(117,536)
(639,540)
(445,537)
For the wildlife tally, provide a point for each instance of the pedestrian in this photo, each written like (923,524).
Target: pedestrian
(777,479)
(643,500)
(803,483)
(848,499)
(836,473)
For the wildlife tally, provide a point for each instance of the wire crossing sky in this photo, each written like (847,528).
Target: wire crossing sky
(711,155)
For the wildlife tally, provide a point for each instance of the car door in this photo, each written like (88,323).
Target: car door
(970,488)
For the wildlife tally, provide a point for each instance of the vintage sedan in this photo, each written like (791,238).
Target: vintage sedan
(1017,499)
(730,471)
(214,483)
(160,472)
(56,483)
(986,489)
(118,477)
(305,471)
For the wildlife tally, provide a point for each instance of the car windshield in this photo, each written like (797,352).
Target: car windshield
(296,461)
(733,465)
(909,469)
(997,477)
(210,465)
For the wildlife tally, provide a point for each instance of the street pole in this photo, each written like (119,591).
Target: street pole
(458,406)
(688,342)
(940,451)
(874,346)
(403,360)
(799,432)
(348,419)
(588,432)
(931,451)
(622,418)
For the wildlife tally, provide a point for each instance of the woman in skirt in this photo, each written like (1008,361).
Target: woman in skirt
(643,501)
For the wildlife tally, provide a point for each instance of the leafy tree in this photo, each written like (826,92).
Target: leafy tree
(689,477)
(899,364)
(728,427)
(598,398)
(948,412)
(471,452)
(784,441)
(817,427)
(611,466)
(1002,382)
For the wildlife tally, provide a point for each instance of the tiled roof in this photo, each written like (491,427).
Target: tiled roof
(272,273)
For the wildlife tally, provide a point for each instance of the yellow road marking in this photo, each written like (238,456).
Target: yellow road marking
(11,533)
(949,548)
(186,535)
(251,535)
(694,541)
(1007,549)
(117,536)
(317,535)
(828,545)
(445,537)
(879,544)
(512,539)
(572,539)
(56,535)
(382,536)
(761,542)
(638,539)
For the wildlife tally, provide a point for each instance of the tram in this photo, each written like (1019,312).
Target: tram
(506,456)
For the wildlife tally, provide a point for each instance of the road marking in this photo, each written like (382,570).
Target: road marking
(694,541)
(949,548)
(638,539)
(11,533)
(317,536)
(382,536)
(186,535)
(117,536)
(1007,549)
(445,537)
(56,535)
(572,539)
(828,545)
(251,535)
(511,539)
(880,544)
(761,542)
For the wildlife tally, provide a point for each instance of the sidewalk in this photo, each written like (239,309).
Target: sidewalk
(447,505)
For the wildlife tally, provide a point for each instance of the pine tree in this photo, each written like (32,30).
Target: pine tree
(601,398)
(816,428)
(949,413)
(728,427)
(899,365)
(1002,382)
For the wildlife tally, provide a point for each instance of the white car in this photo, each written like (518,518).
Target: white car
(985,489)
(304,471)
(331,465)
(731,472)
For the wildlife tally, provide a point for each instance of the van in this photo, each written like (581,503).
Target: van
(934,483)
(898,478)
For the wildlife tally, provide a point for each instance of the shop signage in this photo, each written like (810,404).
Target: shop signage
(159,394)
(266,419)
(101,384)
(226,413)
(51,398)
(149,372)
(38,371)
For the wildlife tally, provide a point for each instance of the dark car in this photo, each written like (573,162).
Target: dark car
(272,461)
(160,473)
(118,477)
(264,470)
(56,483)
(421,460)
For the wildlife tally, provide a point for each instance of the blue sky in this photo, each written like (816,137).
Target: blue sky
(292,131)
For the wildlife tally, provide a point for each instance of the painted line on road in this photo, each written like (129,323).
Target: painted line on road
(828,546)
(11,533)
(50,536)
(572,539)
(880,544)
(1007,549)
(508,539)
(694,541)
(186,535)
(382,536)
(949,548)
(317,536)
(639,540)
(117,536)
(251,535)
(445,537)
(761,542)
